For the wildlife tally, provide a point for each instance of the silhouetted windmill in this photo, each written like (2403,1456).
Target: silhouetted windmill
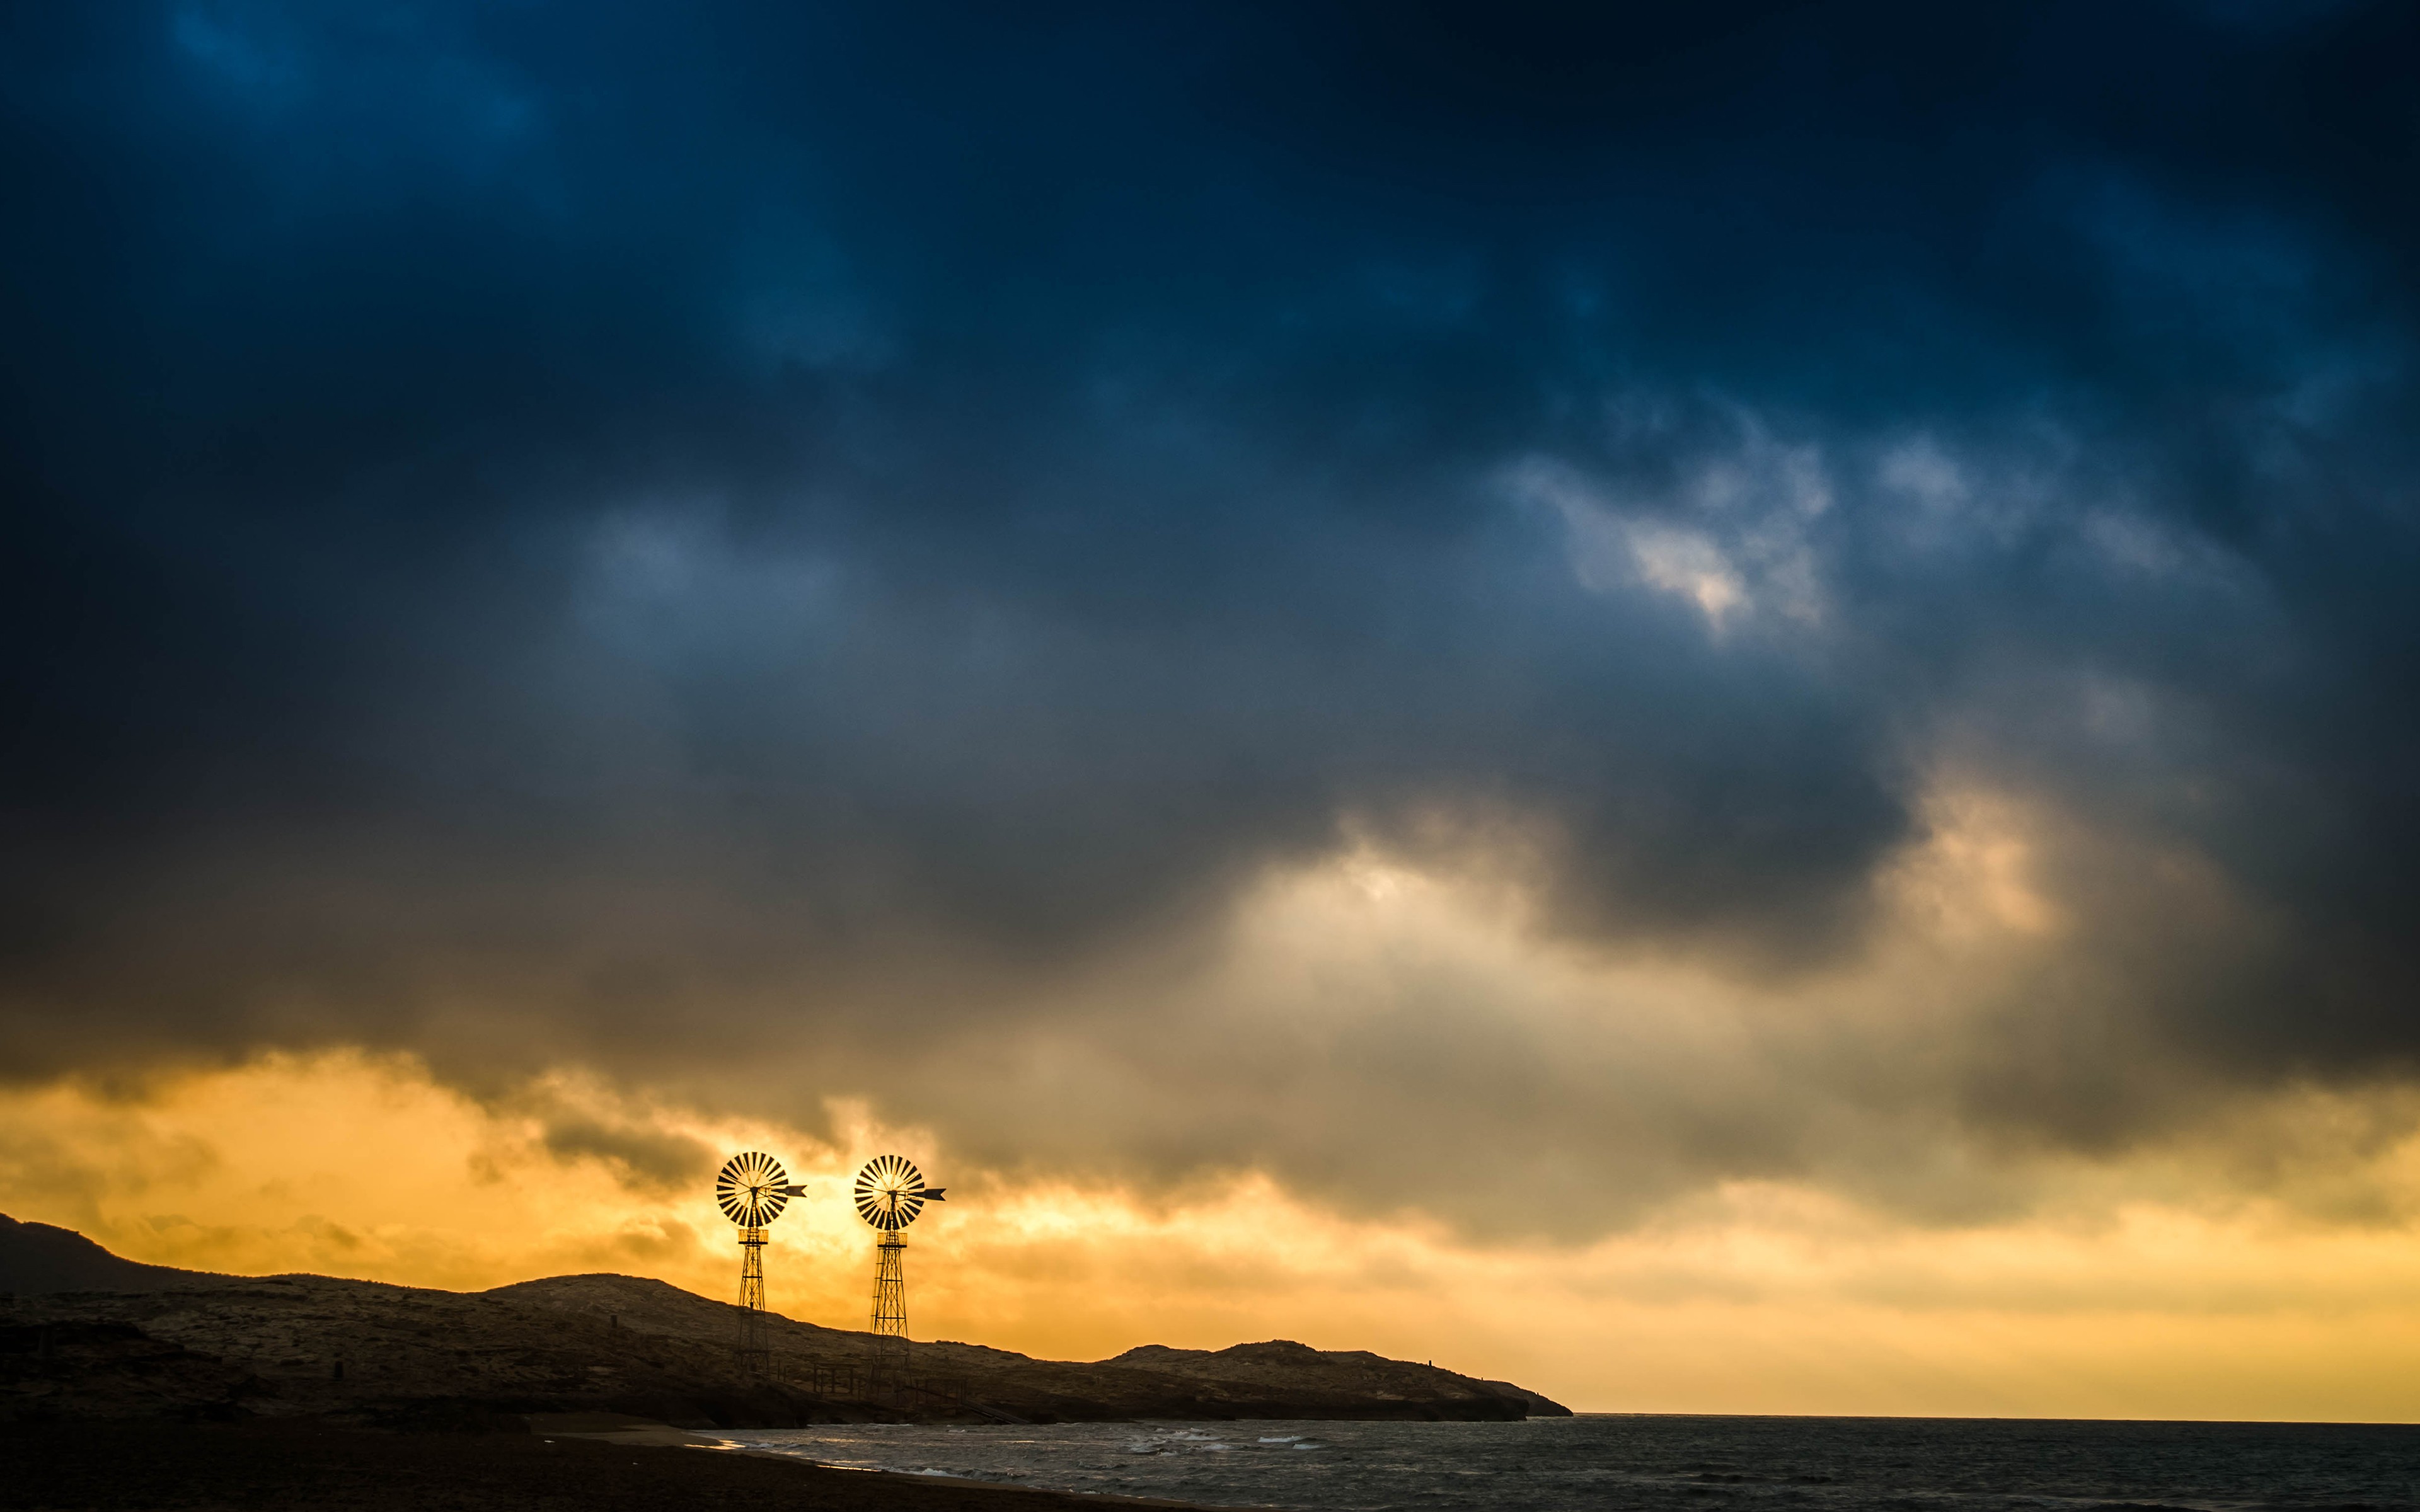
(753,1190)
(890,1192)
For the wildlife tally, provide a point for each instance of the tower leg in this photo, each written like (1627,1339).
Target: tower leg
(888,1351)
(755,1340)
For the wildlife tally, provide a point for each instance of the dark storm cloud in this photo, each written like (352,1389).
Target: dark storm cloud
(641,1158)
(532,527)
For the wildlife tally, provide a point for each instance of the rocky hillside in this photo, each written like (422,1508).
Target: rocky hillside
(124,1339)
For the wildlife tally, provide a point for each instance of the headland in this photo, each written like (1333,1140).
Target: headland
(85,1335)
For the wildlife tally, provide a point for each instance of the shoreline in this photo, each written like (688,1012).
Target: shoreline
(639,1434)
(312,1465)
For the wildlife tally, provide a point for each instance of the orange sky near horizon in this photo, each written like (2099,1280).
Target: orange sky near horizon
(1754,1299)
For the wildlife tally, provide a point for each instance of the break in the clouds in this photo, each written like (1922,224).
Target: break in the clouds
(1663,595)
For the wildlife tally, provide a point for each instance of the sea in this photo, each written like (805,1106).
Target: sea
(1605,1460)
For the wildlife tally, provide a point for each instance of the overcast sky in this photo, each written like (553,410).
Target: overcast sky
(1506,613)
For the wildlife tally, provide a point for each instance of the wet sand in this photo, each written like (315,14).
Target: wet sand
(294,1464)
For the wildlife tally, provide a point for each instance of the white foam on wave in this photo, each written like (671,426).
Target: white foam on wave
(1178,1442)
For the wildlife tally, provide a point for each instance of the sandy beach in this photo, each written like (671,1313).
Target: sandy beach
(272,1465)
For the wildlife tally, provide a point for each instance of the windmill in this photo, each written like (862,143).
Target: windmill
(890,1192)
(753,1190)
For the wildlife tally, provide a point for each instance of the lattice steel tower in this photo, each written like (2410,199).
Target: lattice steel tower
(753,1190)
(890,1192)
(889,1289)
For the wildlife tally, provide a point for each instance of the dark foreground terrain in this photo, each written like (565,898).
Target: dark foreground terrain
(291,1464)
(86,1335)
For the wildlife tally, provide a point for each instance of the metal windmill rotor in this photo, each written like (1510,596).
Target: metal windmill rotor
(890,1192)
(754,1189)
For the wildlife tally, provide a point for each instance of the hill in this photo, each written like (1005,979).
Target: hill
(120,1339)
(38,1257)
